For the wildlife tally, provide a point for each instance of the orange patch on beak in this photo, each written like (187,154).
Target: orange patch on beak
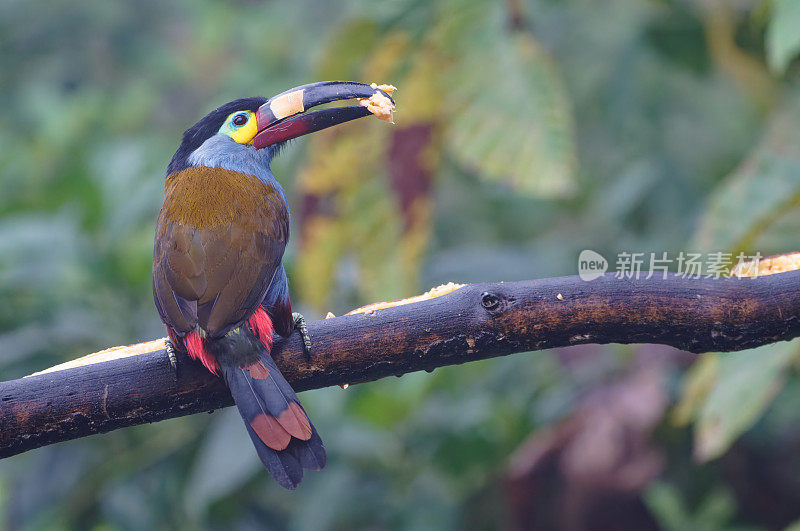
(288,104)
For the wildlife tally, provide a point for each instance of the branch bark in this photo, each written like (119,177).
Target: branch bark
(475,322)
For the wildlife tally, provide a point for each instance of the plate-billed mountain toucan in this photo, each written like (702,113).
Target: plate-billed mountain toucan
(218,281)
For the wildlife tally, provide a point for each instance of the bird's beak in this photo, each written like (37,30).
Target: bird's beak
(283,117)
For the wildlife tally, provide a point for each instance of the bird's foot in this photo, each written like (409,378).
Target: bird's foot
(173,358)
(300,326)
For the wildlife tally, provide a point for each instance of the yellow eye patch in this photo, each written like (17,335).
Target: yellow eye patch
(238,129)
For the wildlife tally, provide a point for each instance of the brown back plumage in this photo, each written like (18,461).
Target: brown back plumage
(219,239)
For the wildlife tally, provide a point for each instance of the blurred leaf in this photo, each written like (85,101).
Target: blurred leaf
(697,384)
(666,503)
(510,113)
(353,219)
(4,516)
(745,384)
(316,268)
(757,195)
(783,34)
(224,462)
(516,129)
(330,493)
(345,50)
(353,229)
(716,511)
(793,527)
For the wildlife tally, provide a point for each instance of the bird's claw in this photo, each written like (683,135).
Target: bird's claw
(173,358)
(300,326)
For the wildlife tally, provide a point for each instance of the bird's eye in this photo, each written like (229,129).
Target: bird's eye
(239,120)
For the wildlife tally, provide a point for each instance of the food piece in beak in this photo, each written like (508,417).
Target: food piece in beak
(284,116)
(380,104)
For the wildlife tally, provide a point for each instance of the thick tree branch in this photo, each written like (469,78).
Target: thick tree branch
(475,322)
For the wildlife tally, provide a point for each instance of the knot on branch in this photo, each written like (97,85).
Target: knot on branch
(495,303)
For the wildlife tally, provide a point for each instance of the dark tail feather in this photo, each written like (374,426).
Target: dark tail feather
(282,465)
(284,438)
(310,453)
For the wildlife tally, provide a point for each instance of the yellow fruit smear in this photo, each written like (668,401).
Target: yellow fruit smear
(438,291)
(109,354)
(779,263)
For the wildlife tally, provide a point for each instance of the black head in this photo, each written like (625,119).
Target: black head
(207,127)
(259,123)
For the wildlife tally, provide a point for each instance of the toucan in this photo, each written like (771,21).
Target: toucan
(218,279)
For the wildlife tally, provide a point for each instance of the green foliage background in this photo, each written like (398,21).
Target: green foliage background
(554,126)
